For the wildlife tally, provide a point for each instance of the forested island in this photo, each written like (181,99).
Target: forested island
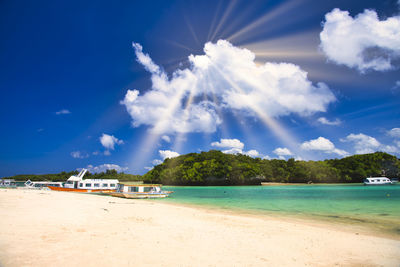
(217,168)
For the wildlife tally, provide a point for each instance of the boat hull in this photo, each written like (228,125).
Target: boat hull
(55,188)
(138,195)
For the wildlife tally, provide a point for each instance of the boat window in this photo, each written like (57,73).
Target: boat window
(96,185)
(146,189)
(88,185)
(378,180)
(112,185)
(81,184)
(69,182)
(105,185)
(133,189)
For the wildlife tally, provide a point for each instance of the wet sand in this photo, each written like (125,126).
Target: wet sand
(46,228)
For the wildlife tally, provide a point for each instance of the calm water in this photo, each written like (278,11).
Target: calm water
(377,206)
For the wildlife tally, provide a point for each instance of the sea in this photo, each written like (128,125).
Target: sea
(373,207)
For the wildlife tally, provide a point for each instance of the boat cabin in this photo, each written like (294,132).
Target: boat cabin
(42,184)
(139,188)
(377,181)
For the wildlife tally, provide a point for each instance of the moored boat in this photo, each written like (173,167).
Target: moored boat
(377,181)
(140,191)
(41,184)
(78,184)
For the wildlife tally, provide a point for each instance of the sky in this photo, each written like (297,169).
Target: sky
(125,84)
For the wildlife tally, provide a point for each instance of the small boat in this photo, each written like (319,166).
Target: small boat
(377,181)
(41,184)
(140,191)
(7,183)
(78,184)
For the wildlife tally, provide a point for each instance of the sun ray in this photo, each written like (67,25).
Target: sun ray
(282,134)
(179,45)
(212,26)
(190,27)
(226,14)
(278,12)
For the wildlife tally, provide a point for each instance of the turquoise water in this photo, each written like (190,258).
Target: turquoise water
(378,206)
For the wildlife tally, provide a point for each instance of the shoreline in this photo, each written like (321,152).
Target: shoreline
(47,228)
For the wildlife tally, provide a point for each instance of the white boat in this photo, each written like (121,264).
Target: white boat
(377,181)
(78,184)
(41,184)
(140,191)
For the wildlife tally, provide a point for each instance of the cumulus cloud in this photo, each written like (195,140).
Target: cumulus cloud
(63,112)
(157,162)
(363,42)
(325,121)
(79,155)
(168,154)
(282,152)
(395,132)
(166,138)
(109,141)
(322,144)
(235,146)
(105,167)
(228,143)
(182,103)
(253,153)
(367,144)
(396,88)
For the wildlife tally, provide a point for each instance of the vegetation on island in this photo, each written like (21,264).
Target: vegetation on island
(217,168)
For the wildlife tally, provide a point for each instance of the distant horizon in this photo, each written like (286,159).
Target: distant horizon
(124,86)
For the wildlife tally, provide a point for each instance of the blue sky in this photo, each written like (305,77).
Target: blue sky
(125,84)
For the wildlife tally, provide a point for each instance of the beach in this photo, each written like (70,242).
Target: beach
(47,228)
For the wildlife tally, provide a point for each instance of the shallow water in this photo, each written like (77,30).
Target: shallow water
(376,206)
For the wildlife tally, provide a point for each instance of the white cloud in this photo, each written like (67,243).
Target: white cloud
(149,168)
(282,152)
(367,144)
(395,132)
(63,111)
(363,42)
(325,121)
(109,141)
(168,154)
(233,150)
(105,167)
(396,88)
(252,153)
(166,138)
(228,143)
(397,143)
(235,146)
(79,155)
(363,143)
(157,162)
(230,75)
(322,144)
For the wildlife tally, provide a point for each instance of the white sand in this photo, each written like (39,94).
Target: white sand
(45,228)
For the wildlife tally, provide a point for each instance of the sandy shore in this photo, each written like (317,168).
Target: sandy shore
(45,228)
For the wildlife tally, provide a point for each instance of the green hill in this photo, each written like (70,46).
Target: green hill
(216,168)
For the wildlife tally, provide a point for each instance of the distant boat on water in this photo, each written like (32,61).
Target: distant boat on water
(379,181)
(140,191)
(78,184)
